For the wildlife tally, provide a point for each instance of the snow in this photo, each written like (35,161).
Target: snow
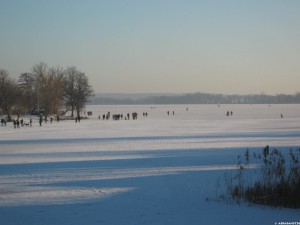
(158,169)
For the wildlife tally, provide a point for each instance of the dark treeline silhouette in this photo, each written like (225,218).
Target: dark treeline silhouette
(203,98)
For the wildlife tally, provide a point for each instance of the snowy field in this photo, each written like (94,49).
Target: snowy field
(158,169)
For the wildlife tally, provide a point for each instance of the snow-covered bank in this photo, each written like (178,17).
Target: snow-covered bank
(158,169)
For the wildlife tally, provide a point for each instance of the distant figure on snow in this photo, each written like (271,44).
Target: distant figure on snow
(41,120)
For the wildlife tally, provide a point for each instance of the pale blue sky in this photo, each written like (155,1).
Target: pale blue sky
(178,46)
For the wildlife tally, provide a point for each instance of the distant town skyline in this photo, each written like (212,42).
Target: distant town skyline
(158,46)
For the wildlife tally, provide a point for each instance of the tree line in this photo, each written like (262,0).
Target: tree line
(50,90)
(203,98)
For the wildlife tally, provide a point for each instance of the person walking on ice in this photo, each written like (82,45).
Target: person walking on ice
(41,120)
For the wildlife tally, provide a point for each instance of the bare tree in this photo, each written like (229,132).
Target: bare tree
(44,88)
(26,85)
(48,88)
(82,92)
(69,83)
(55,89)
(9,93)
(76,90)
(39,72)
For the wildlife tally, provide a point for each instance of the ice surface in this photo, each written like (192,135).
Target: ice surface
(158,169)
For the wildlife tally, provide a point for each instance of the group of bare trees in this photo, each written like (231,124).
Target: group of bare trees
(48,90)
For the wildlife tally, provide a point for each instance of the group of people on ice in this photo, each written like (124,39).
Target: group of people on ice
(168,112)
(107,116)
(17,123)
(229,113)
(3,122)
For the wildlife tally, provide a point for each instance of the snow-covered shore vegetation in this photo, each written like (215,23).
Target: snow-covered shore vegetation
(273,180)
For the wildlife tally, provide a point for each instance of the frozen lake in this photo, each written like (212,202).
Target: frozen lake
(158,169)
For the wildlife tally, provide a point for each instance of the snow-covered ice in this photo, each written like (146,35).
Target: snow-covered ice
(158,169)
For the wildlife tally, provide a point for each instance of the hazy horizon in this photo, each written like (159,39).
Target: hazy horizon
(166,46)
(184,93)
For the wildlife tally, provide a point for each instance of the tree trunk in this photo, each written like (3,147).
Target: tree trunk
(8,115)
(72,110)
